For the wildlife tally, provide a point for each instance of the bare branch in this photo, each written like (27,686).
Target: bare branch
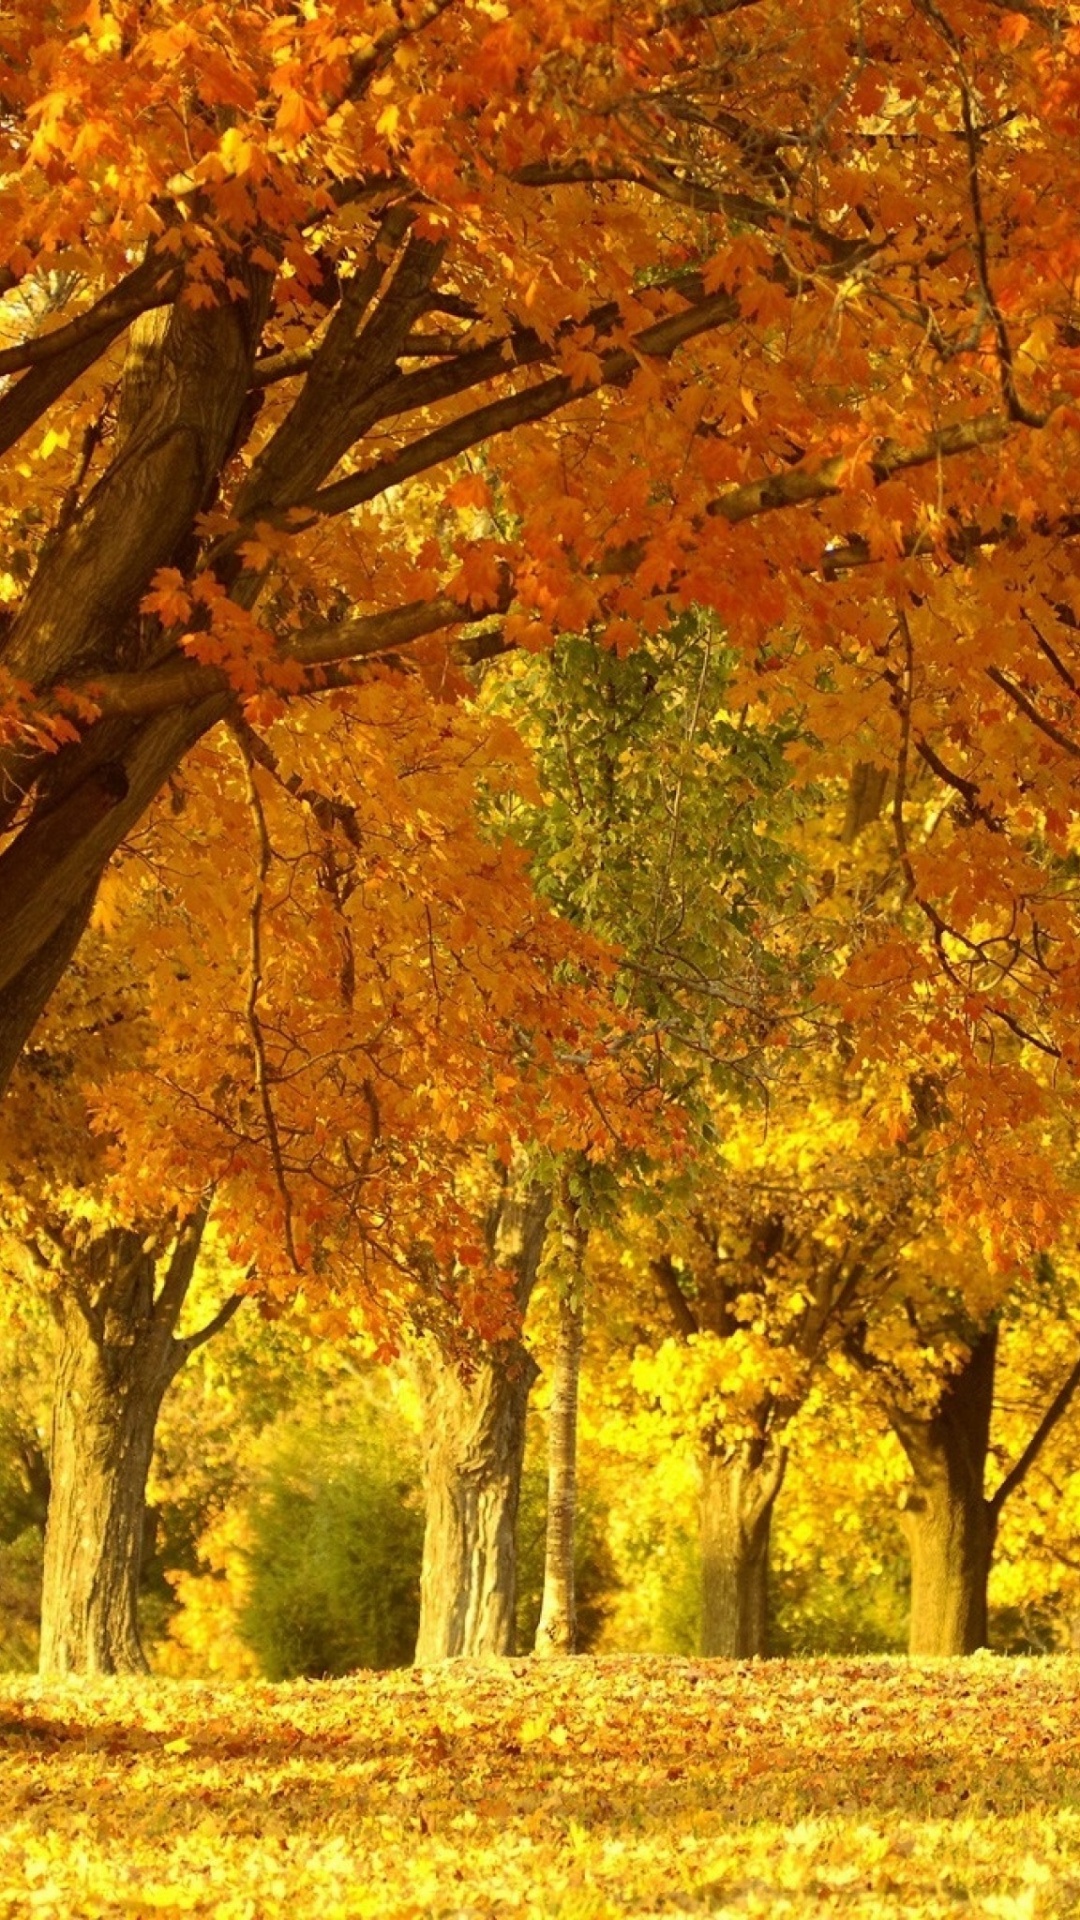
(1059,1406)
(153,283)
(184,1348)
(681,1311)
(264,855)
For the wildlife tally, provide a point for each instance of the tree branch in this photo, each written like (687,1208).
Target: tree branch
(1028,707)
(181,681)
(153,283)
(174,1288)
(55,360)
(264,854)
(682,1312)
(518,409)
(187,1346)
(1017,1473)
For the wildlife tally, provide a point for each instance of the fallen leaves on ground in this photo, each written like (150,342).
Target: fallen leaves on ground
(580,1789)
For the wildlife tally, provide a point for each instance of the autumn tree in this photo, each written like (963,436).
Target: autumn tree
(282,1025)
(765,312)
(757,1264)
(659,827)
(933,1369)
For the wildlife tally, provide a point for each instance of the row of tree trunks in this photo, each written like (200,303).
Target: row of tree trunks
(118,1305)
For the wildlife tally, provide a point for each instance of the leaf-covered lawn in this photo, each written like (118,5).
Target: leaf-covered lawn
(580,1789)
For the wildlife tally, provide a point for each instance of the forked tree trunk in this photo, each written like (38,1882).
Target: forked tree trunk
(949,1522)
(557,1628)
(118,1355)
(475,1445)
(738,1495)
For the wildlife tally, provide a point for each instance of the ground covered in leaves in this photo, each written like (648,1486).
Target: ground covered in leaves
(626,1786)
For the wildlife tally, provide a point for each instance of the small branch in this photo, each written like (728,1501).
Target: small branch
(681,1311)
(1028,708)
(900,790)
(264,855)
(174,1288)
(191,1341)
(1017,1473)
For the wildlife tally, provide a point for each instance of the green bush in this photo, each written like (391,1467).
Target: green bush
(337,1531)
(24,1493)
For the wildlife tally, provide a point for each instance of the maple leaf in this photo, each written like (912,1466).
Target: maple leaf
(168,596)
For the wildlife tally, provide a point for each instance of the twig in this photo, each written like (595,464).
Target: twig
(264,855)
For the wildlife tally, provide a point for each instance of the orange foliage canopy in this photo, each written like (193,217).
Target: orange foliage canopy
(335,1015)
(333,327)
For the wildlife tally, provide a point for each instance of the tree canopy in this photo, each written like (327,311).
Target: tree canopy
(341,334)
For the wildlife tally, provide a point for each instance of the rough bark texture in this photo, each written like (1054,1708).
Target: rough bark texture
(118,1354)
(472,1471)
(557,1628)
(186,383)
(949,1522)
(738,1495)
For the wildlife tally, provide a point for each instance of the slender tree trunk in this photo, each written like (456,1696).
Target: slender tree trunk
(737,1500)
(118,1355)
(557,1628)
(949,1522)
(472,1469)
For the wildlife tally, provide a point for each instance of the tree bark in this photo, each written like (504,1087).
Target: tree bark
(557,1628)
(472,1469)
(118,1354)
(949,1523)
(186,382)
(738,1495)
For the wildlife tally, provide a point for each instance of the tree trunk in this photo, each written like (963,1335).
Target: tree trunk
(118,1355)
(108,1395)
(737,1500)
(949,1523)
(557,1628)
(472,1469)
(951,1538)
(186,382)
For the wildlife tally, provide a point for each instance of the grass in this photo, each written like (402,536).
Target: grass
(583,1790)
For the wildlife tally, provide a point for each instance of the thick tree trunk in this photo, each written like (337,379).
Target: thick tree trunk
(557,1628)
(951,1537)
(49,874)
(949,1522)
(186,383)
(104,1417)
(472,1472)
(737,1500)
(118,1355)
